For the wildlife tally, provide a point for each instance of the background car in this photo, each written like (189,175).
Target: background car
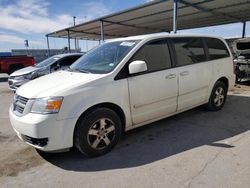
(10,64)
(241,48)
(54,63)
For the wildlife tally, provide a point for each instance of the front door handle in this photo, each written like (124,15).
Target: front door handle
(184,73)
(170,76)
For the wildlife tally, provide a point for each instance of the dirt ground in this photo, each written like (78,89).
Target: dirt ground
(193,149)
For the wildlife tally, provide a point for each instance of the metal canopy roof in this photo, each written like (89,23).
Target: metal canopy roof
(157,16)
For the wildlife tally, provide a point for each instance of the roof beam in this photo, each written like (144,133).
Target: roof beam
(148,15)
(188,14)
(94,33)
(134,26)
(210,11)
(79,38)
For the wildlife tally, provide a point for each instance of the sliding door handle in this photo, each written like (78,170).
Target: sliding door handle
(170,76)
(184,73)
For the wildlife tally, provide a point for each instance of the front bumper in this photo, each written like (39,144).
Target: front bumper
(14,83)
(44,132)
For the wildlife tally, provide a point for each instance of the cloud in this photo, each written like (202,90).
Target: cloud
(95,9)
(15,39)
(31,19)
(31,16)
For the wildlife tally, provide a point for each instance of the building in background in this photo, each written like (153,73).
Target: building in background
(4,54)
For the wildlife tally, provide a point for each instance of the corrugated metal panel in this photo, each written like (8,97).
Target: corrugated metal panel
(157,17)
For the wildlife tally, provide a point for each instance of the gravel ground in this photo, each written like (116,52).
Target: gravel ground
(193,149)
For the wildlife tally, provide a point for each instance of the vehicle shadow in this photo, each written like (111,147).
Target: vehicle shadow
(3,79)
(165,138)
(246,83)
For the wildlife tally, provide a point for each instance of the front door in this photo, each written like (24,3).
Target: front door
(153,94)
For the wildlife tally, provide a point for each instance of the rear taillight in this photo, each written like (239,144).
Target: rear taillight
(234,67)
(33,62)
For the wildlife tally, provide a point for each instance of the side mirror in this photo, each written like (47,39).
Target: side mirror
(137,67)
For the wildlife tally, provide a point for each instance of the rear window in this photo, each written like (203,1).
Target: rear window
(189,50)
(216,49)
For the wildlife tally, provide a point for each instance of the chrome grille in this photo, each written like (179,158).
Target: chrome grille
(19,103)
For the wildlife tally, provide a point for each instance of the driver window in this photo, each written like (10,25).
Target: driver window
(155,54)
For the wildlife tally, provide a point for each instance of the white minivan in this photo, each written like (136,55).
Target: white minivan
(120,85)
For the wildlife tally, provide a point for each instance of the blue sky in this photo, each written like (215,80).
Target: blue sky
(32,19)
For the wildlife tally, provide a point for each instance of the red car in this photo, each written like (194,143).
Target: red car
(10,64)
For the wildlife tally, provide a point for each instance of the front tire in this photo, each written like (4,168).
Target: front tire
(218,97)
(97,132)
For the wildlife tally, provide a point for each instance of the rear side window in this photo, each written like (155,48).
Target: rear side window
(189,50)
(155,54)
(216,48)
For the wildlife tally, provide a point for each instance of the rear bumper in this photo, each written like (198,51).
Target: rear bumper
(231,82)
(44,132)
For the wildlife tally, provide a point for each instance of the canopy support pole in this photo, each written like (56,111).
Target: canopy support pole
(244,30)
(69,42)
(74,22)
(175,8)
(102,31)
(48,45)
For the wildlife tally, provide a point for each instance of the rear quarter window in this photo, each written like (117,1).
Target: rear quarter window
(216,48)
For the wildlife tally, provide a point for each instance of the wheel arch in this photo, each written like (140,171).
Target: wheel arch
(116,108)
(224,80)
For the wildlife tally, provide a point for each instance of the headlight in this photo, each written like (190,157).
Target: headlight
(18,77)
(48,105)
(30,76)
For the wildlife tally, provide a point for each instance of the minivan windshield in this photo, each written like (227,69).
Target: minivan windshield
(47,61)
(104,58)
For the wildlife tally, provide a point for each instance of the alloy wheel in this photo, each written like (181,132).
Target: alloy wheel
(219,96)
(101,133)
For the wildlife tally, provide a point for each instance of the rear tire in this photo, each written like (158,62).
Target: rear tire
(218,97)
(97,132)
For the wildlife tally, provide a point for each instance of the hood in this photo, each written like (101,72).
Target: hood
(24,71)
(55,84)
